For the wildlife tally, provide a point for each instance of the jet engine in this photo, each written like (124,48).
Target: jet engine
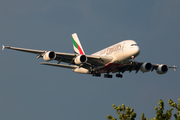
(50,55)
(146,67)
(80,59)
(162,69)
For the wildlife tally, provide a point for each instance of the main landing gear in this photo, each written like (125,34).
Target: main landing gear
(107,76)
(96,74)
(110,76)
(119,75)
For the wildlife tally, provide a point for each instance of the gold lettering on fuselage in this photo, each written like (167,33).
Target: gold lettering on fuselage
(109,50)
(113,48)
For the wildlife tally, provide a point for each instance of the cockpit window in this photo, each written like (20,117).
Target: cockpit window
(133,44)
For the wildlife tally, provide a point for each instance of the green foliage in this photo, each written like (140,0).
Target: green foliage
(175,106)
(143,118)
(160,115)
(127,113)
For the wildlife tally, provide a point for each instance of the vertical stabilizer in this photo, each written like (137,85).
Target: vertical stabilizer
(77,45)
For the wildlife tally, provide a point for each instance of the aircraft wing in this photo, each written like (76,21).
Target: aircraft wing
(23,49)
(67,57)
(136,66)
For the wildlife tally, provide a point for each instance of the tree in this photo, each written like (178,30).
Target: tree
(175,106)
(127,113)
(124,113)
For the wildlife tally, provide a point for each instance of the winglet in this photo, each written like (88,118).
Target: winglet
(3,47)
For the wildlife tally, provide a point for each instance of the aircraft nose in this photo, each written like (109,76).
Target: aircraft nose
(137,50)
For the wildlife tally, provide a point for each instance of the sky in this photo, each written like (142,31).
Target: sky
(29,91)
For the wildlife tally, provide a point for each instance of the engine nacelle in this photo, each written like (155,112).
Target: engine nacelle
(80,59)
(50,55)
(146,67)
(162,69)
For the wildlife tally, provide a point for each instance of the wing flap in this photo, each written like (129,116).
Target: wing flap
(60,65)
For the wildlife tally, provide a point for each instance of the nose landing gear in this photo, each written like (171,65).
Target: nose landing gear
(132,57)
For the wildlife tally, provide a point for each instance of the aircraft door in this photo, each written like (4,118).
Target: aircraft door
(124,47)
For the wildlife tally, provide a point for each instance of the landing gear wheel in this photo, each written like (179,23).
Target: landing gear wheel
(96,74)
(119,75)
(107,76)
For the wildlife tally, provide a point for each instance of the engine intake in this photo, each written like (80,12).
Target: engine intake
(80,59)
(146,67)
(50,55)
(162,69)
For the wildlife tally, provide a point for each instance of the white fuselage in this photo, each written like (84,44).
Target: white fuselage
(121,52)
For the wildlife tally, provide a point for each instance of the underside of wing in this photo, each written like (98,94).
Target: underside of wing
(143,67)
(129,67)
(60,65)
(116,67)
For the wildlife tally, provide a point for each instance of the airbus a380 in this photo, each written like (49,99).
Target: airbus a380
(117,58)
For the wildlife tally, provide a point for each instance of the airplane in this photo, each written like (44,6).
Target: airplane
(117,58)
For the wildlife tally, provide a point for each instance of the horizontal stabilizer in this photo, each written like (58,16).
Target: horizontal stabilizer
(60,65)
